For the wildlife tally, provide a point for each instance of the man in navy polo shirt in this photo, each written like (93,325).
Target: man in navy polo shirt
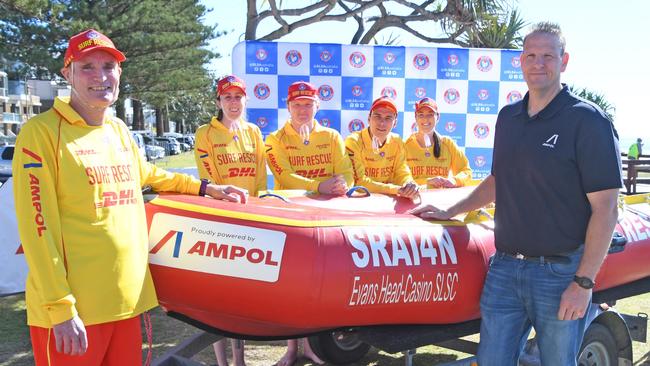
(555,178)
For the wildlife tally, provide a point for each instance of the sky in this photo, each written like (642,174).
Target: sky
(607,42)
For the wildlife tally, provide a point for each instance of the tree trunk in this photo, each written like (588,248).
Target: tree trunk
(165,117)
(120,111)
(138,115)
(180,127)
(160,126)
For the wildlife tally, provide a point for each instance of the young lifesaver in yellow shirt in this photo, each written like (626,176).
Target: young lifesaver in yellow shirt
(434,160)
(81,219)
(305,155)
(378,156)
(230,150)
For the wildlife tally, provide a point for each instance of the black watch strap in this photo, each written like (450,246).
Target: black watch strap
(203,187)
(584,282)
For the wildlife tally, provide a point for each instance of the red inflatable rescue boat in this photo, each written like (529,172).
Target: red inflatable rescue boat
(273,269)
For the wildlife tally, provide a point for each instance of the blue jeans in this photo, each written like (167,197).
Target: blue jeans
(520,294)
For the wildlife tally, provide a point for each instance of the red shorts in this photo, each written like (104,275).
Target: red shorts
(116,343)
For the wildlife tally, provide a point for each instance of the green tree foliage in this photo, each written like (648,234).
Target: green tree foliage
(468,23)
(596,98)
(165,43)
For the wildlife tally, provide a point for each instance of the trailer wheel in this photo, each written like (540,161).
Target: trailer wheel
(339,348)
(598,347)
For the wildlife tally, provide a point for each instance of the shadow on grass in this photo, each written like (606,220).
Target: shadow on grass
(15,348)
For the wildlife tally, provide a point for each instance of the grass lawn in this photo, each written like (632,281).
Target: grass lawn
(168,332)
(184,160)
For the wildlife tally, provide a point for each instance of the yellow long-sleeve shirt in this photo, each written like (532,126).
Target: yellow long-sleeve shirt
(81,218)
(382,171)
(223,158)
(424,167)
(296,165)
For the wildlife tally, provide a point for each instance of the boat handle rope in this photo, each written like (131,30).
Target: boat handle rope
(351,191)
(274,195)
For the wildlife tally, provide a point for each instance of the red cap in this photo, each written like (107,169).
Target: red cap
(301,90)
(230,81)
(426,103)
(384,102)
(90,40)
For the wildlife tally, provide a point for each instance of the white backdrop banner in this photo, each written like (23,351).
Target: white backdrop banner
(470,86)
(14,268)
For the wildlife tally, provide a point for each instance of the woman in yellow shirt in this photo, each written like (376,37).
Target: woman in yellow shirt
(229,149)
(434,160)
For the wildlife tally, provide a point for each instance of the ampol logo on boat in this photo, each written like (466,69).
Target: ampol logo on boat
(216,248)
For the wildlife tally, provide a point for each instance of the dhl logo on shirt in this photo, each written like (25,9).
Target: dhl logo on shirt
(241,172)
(33,155)
(123,197)
(313,173)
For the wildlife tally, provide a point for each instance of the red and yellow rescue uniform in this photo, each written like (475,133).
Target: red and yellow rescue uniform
(424,164)
(81,218)
(300,164)
(236,157)
(381,171)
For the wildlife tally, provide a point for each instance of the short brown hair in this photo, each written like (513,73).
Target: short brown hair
(548,28)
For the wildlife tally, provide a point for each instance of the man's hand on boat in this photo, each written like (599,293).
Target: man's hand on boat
(227,193)
(431,212)
(335,186)
(409,190)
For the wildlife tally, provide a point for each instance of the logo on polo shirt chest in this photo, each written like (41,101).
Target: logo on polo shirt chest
(551,141)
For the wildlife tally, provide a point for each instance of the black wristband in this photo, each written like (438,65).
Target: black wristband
(584,282)
(204,186)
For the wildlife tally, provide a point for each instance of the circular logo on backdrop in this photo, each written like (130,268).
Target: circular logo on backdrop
(483,94)
(515,62)
(356,90)
(389,57)
(452,59)
(293,58)
(261,54)
(514,96)
(421,61)
(420,92)
(356,125)
(357,59)
(481,130)
(479,161)
(452,96)
(484,63)
(389,92)
(325,122)
(450,126)
(261,91)
(325,56)
(262,122)
(325,92)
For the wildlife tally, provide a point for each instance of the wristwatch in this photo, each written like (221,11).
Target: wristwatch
(584,282)
(203,187)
